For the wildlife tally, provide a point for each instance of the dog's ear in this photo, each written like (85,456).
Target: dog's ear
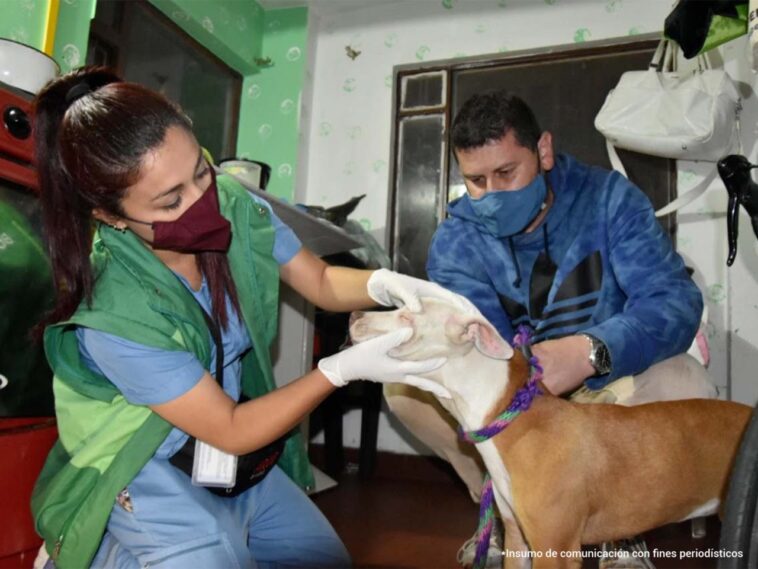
(488,341)
(462,330)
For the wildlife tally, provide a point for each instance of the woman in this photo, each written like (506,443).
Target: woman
(159,343)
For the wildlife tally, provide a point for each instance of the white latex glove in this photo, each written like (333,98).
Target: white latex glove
(369,360)
(389,288)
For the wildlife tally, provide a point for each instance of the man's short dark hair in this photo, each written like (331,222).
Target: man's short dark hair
(489,116)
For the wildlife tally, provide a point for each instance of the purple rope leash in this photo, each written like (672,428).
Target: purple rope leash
(522,400)
(486,523)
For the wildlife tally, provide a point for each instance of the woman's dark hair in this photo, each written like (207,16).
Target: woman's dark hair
(90,142)
(489,116)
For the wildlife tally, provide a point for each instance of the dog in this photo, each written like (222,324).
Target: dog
(566,474)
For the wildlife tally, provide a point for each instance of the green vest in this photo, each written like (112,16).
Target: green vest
(104,440)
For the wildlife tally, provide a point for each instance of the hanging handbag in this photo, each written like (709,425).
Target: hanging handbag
(251,467)
(687,115)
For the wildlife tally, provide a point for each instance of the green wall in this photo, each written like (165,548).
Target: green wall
(230,29)
(270,105)
(72,33)
(237,32)
(23,21)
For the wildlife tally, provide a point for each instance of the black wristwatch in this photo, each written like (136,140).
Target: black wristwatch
(600,357)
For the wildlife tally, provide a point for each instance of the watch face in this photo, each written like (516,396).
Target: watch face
(602,358)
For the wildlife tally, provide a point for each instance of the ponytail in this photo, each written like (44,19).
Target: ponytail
(66,214)
(215,267)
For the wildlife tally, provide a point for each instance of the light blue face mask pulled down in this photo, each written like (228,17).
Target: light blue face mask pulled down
(506,212)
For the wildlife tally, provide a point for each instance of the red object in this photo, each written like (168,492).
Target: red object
(16,141)
(24,444)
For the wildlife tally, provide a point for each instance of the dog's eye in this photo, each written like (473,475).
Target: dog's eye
(406,318)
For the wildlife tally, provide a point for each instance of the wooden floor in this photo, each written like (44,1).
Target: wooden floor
(400,523)
(417,516)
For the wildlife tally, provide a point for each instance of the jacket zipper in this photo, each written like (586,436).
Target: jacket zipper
(57,549)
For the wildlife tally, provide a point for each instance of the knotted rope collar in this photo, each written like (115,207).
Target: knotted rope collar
(521,402)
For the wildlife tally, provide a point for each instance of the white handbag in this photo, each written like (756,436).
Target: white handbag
(689,115)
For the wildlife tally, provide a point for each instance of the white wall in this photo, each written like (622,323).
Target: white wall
(348,148)
(730,294)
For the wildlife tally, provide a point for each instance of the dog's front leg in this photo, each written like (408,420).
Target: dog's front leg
(544,553)
(551,553)
(516,549)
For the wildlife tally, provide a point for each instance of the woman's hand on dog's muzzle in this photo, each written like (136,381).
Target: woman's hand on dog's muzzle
(370,361)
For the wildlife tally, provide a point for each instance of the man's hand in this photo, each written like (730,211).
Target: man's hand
(565,362)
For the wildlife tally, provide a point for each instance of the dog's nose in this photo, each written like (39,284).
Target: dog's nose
(355,316)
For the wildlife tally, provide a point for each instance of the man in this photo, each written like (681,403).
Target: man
(572,251)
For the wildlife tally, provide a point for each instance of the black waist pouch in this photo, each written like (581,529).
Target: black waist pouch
(251,467)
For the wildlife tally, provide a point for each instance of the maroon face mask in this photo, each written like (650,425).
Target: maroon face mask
(200,228)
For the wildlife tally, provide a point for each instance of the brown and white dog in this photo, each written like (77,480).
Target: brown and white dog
(567,474)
